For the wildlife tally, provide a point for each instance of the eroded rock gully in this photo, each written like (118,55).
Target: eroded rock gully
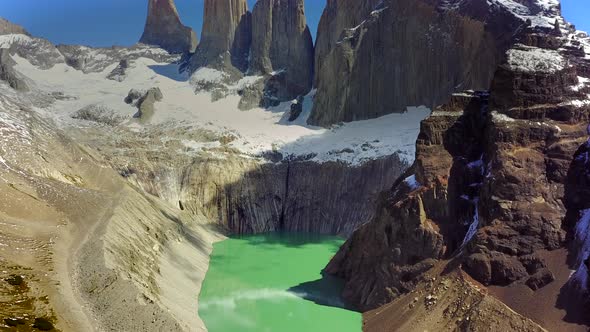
(488,187)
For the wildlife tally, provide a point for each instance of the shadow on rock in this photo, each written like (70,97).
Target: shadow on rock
(325,291)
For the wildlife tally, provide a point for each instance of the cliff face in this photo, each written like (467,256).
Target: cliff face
(7,27)
(249,196)
(488,187)
(226,36)
(281,41)
(374,59)
(338,16)
(163,28)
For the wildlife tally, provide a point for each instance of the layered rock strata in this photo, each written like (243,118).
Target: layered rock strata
(163,28)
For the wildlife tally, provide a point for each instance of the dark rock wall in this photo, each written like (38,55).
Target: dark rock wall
(500,159)
(401,54)
(281,41)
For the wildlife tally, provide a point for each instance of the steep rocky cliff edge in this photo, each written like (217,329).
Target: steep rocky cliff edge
(497,186)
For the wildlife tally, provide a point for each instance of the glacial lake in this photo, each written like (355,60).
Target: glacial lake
(273,283)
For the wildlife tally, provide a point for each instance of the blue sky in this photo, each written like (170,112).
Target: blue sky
(120,22)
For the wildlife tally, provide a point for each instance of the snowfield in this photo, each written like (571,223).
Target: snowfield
(254,133)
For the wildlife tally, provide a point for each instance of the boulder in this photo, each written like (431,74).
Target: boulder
(145,104)
(163,28)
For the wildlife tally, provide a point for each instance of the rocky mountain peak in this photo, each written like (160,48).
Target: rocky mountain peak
(7,27)
(226,36)
(164,28)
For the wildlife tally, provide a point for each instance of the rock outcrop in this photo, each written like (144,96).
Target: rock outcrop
(281,42)
(8,74)
(404,53)
(7,27)
(488,187)
(163,28)
(146,104)
(226,37)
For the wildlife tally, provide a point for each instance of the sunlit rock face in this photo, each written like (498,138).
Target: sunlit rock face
(163,28)
(226,37)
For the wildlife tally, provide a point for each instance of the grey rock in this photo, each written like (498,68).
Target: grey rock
(95,60)
(404,53)
(119,73)
(133,95)
(338,16)
(281,41)
(226,38)
(8,74)
(296,109)
(99,114)
(164,28)
(145,104)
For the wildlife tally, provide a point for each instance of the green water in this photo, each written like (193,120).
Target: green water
(272,283)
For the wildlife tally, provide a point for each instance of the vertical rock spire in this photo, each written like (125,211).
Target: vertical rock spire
(226,37)
(163,28)
(281,41)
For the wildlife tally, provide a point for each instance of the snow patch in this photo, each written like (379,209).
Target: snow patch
(411,182)
(534,60)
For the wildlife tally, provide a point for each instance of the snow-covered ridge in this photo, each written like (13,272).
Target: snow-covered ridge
(542,13)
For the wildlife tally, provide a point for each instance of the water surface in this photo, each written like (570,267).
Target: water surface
(273,283)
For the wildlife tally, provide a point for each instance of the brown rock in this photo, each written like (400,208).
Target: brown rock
(540,279)
(7,27)
(163,28)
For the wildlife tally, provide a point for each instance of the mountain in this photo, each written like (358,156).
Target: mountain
(163,28)
(121,167)
(226,38)
(491,187)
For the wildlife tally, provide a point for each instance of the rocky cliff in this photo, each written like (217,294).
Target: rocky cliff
(375,58)
(7,27)
(282,44)
(488,187)
(163,28)
(226,37)
(8,74)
